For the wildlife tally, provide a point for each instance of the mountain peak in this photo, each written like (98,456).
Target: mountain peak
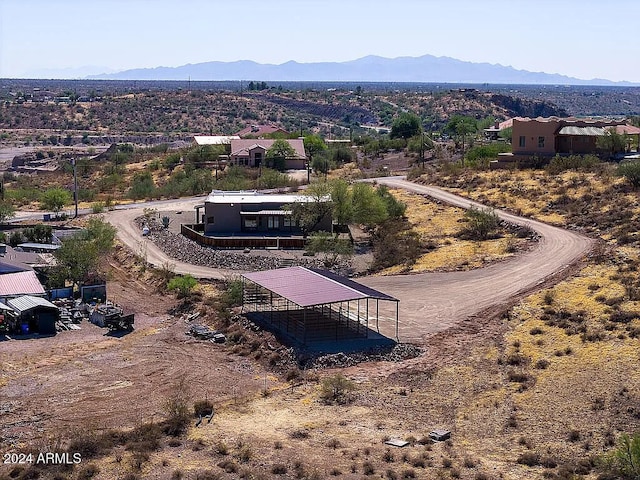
(371,68)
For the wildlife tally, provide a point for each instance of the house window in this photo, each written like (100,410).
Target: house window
(210,220)
(287,222)
(250,222)
(540,142)
(272,223)
(522,141)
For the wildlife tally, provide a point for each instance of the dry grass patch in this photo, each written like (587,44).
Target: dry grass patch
(439,226)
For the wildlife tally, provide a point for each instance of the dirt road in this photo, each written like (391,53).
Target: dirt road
(129,234)
(431,302)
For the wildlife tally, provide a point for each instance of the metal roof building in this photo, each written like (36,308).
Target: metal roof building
(29,302)
(312,305)
(215,139)
(20,283)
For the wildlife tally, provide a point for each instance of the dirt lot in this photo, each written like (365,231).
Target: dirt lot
(89,377)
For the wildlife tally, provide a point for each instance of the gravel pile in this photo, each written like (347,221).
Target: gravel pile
(185,250)
(398,353)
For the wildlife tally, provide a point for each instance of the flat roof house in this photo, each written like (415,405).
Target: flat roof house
(250,212)
(546,137)
(252,153)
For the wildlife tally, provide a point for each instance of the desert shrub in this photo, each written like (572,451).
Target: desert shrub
(391,474)
(244,453)
(88,471)
(624,460)
(336,389)
(144,438)
(631,172)
(559,164)
(183,284)
(334,443)
(530,459)
(299,434)
(142,186)
(279,469)
(177,410)
(368,468)
(202,408)
(408,473)
(480,223)
(228,466)
(15,238)
(516,359)
(470,462)
(388,456)
(222,448)
(518,377)
(395,243)
(542,364)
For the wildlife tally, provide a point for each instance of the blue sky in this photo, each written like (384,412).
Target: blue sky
(580,38)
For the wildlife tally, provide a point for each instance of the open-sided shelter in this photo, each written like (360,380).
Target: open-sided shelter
(312,305)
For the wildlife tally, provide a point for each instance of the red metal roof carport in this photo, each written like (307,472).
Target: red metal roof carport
(306,288)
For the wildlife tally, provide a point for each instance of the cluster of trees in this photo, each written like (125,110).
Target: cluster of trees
(79,256)
(363,204)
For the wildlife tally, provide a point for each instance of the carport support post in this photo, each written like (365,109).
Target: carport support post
(358,315)
(377,317)
(367,316)
(304,326)
(397,316)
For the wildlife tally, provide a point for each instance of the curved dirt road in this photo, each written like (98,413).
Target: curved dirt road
(429,302)
(432,302)
(128,232)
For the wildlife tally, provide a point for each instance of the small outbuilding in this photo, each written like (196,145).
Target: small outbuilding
(35,314)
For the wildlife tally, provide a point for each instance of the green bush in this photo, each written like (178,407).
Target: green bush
(142,186)
(559,164)
(631,172)
(481,223)
(184,284)
(624,460)
(336,389)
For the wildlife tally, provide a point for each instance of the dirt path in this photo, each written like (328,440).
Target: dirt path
(429,302)
(433,302)
(130,235)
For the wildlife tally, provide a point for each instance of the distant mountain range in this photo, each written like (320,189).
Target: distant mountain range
(425,69)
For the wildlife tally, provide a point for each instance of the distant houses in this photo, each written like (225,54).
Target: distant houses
(547,137)
(249,148)
(537,139)
(253,153)
(259,131)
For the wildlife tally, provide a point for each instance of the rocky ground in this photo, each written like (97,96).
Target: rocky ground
(181,248)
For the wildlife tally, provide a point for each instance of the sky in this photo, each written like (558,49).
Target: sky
(585,39)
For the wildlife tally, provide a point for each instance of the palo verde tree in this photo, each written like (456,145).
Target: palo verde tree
(342,202)
(278,154)
(55,199)
(406,125)
(314,145)
(461,126)
(612,142)
(80,255)
(308,215)
(369,208)
(7,211)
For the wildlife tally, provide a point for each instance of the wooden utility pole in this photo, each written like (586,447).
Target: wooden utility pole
(75,184)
